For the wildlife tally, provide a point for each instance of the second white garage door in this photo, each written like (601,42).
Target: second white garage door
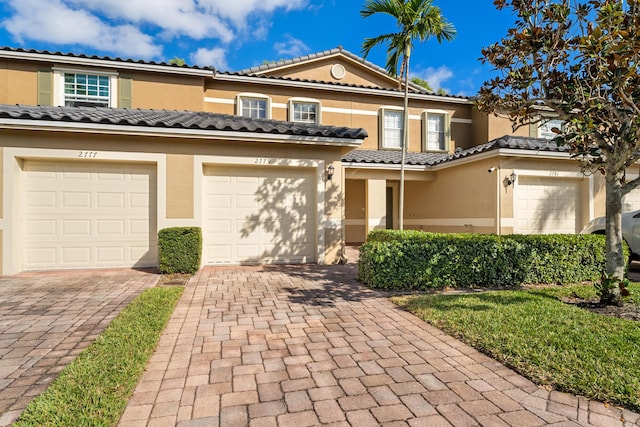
(259,215)
(547,205)
(88,215)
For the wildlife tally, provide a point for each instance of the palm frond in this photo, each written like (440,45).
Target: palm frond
(389,7)
(371,42)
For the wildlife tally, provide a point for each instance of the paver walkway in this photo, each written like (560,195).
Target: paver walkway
(308,345)
(46,319)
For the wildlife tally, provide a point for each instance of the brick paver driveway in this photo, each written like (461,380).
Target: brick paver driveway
(308,345)
(46,319)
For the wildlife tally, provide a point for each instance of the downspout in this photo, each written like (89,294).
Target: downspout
(499,204)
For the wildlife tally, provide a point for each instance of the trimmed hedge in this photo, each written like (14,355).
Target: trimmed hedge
(179,249)
(417,260)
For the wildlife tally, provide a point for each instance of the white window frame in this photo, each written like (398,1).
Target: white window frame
(294,101)
(256,96)
(382,139)
(58,84)
(447,130)
(545,126)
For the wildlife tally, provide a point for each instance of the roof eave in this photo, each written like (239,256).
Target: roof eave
(505,152)
(385,166)
(337,88)
(169,132)
(105,63)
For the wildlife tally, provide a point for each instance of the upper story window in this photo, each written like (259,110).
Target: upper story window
(436,131)
(80,88)
(545,128)
(304,110)
(254,105)
(391,125)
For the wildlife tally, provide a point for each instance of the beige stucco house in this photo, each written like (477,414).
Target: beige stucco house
(281,163)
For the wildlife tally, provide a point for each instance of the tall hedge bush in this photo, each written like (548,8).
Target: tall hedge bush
(179,249)
(418,260)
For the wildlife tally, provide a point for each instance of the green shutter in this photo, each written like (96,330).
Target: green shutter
(125,92)
(45,87)
(447,132)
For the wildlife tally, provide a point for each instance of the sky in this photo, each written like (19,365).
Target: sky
(232,35)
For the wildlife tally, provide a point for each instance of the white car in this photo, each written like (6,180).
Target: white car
(630,230)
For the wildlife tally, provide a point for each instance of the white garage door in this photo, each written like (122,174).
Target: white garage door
(88,215)
(547,205)
(259,215)
(631,202)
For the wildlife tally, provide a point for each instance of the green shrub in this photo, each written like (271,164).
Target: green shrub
(416,260)
(179,249)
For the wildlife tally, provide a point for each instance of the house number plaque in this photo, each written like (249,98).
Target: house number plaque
(263,161)
(87,154)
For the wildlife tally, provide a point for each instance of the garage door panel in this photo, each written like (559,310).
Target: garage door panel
(78,227)
(110,200)
(80,256)
(76,200)
(88,215)
(255,215)
(45,256)
(40,198)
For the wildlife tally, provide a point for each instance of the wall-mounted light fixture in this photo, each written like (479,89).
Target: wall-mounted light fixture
(512,178)
(330,172)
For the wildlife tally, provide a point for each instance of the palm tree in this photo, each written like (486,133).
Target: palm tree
(416,20)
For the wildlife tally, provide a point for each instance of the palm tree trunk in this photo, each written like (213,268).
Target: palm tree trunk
(405,137)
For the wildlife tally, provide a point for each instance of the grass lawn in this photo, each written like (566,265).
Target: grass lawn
(94,389)
(552,343)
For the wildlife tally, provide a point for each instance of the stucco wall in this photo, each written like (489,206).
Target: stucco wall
(18,82)
(461,199)
(345,109)
(180,187)
(169,92)
(320,70)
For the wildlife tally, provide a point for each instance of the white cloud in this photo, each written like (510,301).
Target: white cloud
(210,57)
(131,27)
(238,10)
(54,22)
(291,47)
(435,76)
(175,17)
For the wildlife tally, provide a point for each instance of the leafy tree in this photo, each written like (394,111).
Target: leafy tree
(177,61)
(576,60)
(425,84)
(415,20)
(421,82)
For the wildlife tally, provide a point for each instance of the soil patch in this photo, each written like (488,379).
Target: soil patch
(175,279)
(629,311)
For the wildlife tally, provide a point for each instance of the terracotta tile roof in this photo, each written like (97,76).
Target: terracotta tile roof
(175,119)
(101,58)
(259,70)
(318,55)
(254,71)
(509,142)
(392,157)
(432,159)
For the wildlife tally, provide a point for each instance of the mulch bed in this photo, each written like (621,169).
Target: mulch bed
(628,311)
(175,279)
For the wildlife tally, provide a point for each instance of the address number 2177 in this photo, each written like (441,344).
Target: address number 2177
(87,154)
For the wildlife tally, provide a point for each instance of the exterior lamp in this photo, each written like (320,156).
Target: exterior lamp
(330,172)
(511,178)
